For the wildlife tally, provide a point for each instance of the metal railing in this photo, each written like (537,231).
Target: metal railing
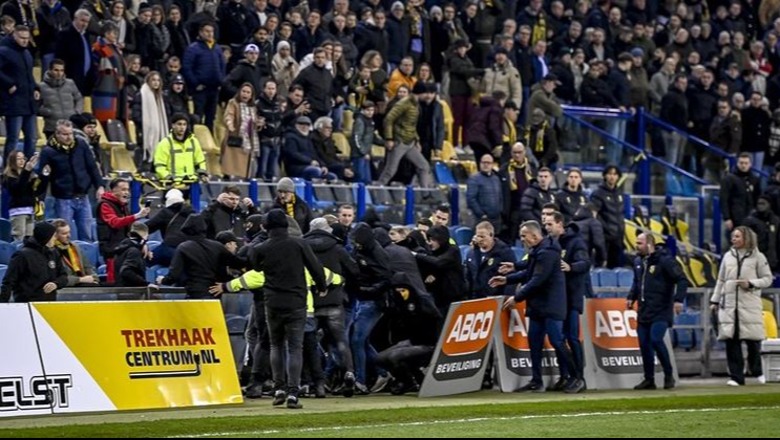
(732,158)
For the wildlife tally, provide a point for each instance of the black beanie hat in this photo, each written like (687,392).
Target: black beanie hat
(43,232)
(275,219)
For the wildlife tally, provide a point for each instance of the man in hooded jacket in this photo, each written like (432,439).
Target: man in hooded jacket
(35,271)
(442,269)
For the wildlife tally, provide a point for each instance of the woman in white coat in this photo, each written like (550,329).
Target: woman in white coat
(737,299)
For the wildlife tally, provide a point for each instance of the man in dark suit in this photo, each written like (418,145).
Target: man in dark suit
(73,47)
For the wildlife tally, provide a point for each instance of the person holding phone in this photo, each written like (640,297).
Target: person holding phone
(114,221)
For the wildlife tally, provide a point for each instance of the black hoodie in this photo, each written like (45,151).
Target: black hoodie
(373,279)
(129,263)
(335,258)
(444,268)
(401,259)
(282,259)
(414,317)
(200,261)
(31,268)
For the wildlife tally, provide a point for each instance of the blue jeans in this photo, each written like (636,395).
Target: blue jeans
(15,124)
(571,331)
(362,168)
(651,342)
(617,128)
(553,329)
(316,173)
(367,315)
(269,161)
(78,212)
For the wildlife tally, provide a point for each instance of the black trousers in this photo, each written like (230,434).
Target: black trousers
(736,361)
(404,360)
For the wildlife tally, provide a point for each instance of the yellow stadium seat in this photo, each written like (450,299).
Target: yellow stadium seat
(37,74)
(210,149)
(132,132)
(41,142)
(88,104)
(447,152)
(448,121)
(770,325)
(220,129)
(121,158)
(206,140)
(378,151)
(347,122)
(342,143)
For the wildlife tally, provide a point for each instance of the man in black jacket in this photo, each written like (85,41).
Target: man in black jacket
(169,221)
(484,260)
(659,286)
(575,264)
(329,309)
(571,197)
(674,110)
(199,263)
(35,271)
(291,204)
(537,195)
(227,213)
(282,259)
(371,287)
(738,193)
(130,257)
(608,200)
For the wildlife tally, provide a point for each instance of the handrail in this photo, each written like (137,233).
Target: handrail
(708,146)
(598,112)
(635,149)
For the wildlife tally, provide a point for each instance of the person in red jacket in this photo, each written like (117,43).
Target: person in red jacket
(114,221)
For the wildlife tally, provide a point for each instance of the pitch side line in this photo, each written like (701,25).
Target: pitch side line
(477,419)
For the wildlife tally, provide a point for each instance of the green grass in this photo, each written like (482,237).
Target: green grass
(737,415)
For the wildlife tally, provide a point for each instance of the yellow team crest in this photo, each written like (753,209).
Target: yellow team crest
(652,269)
(491,261)
(563,253)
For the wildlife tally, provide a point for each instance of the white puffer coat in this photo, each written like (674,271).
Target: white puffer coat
(735,301)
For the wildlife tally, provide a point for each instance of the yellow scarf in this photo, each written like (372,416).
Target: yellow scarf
(513,167)
(290,207)
(510,132)
(539,32)
(539,144)
(72,260)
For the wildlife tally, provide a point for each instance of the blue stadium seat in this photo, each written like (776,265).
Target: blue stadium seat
(5,230)
(464,252)
(687,338)
(607,278)
(90,251)
(625,277)
(238,346)
(152,245)
(3,269)
(101,270)
(151,273)
(463,235)
(594,278)
(240,304)
(444,174)
(6,251)
(235,324)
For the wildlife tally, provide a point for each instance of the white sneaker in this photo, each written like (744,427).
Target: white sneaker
(732,383)
(761,379)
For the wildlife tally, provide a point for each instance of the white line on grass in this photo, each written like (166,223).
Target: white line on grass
(475,419)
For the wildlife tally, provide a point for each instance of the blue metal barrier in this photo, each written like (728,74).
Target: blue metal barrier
(454,205)
(717,235)
(645,116)
(642,189)
(254,192)
(409,211)
(361,200)
(195,196)
(136,189)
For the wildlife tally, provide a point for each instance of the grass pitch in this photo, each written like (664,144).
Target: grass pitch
(691,411)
